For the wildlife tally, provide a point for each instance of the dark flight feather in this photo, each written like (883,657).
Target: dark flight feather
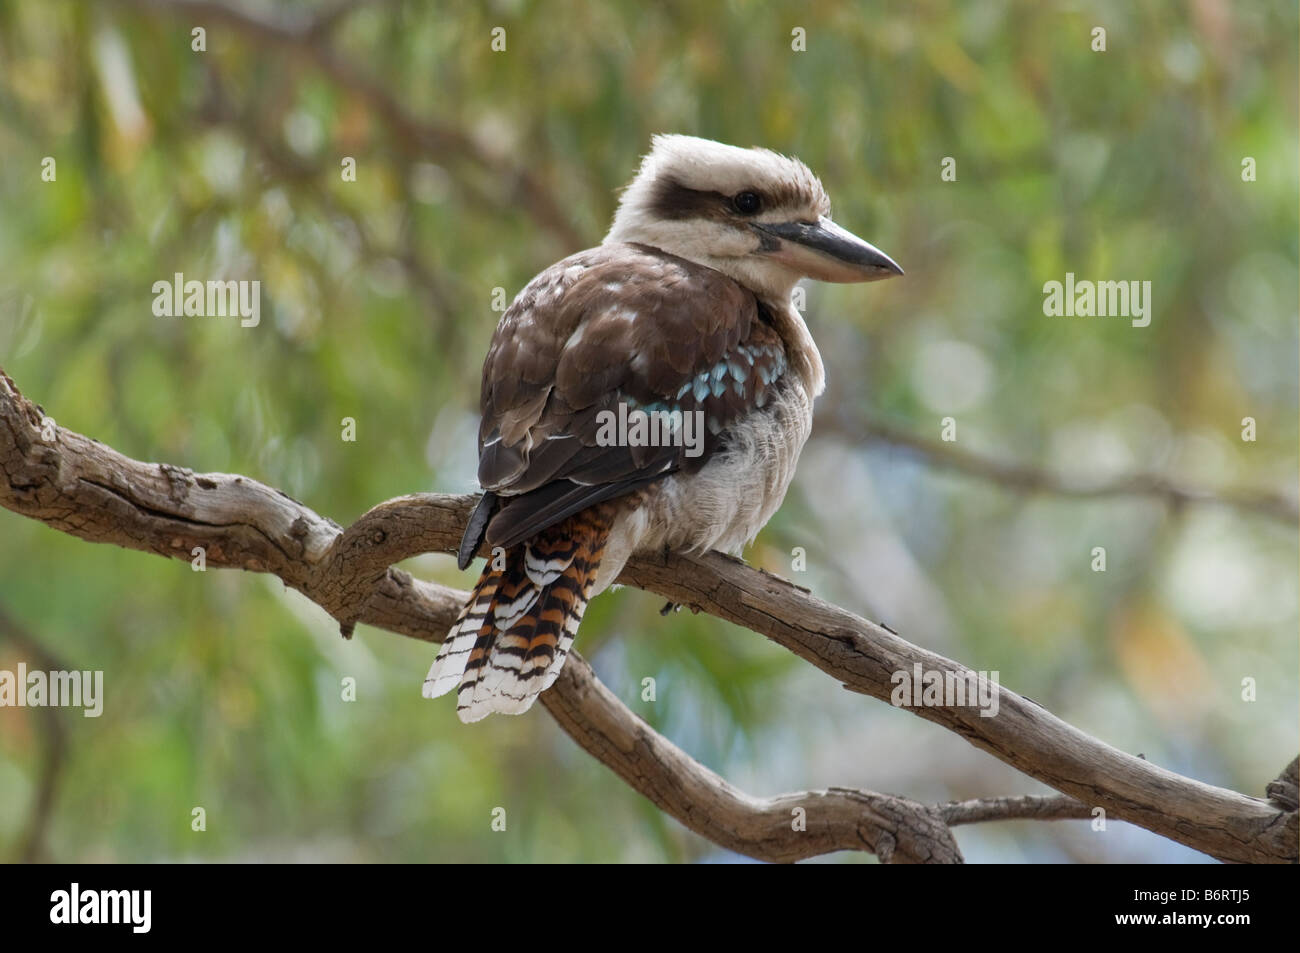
(476,529)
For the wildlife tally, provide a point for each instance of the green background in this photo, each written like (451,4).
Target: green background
(223,689)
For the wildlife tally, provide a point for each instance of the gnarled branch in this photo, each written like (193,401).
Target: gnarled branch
(82,487)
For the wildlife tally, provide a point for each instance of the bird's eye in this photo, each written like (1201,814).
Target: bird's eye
(747,203)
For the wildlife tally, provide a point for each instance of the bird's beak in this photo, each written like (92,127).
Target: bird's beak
(826,252)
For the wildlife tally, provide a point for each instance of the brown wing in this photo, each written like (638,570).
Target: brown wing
(619,324)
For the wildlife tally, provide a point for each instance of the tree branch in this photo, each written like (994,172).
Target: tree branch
(1028,807)
(1023,478)
(82,487)
(79,486)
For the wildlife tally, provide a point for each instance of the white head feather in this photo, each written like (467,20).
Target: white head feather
(710,168)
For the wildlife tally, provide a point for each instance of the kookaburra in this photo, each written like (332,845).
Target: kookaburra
(685,311)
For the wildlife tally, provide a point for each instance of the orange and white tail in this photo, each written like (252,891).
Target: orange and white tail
(512,637)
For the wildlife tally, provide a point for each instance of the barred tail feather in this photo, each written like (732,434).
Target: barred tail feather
(516,631)
(447,668)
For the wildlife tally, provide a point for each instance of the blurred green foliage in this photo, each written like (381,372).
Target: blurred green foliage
(223,689)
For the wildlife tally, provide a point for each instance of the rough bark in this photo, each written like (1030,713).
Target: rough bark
(82,487)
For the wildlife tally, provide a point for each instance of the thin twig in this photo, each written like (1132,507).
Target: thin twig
(1028,807)
(1024,478)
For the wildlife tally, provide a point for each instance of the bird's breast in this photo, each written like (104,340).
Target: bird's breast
(730,498)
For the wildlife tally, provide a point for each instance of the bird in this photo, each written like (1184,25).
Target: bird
(684,310)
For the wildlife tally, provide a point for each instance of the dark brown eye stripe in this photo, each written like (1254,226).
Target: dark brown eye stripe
(672,200)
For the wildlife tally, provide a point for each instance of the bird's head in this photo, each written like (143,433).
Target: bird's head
(756,216)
